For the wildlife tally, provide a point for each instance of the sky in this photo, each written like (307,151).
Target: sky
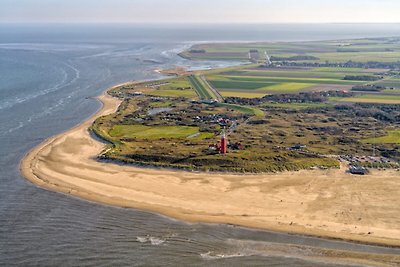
(200,11)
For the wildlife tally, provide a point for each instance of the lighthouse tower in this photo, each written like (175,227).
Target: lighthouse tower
(224,142)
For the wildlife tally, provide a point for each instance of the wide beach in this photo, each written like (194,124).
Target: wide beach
(329,203)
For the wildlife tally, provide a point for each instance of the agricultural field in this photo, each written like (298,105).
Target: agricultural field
(370,98)
(203,90)
(178,87)
(392,85)
(257,82)
(363,50)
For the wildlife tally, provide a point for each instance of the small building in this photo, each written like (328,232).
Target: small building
(298,147)
(358,170)
(236,146)
(254,55)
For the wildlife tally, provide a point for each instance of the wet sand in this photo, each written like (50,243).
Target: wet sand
(329,203)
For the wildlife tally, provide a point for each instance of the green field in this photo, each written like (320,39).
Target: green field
(242,85)
(362,50)
(390,83)
(371,98)
(258,82)
(161,104)
(243,109)
(381,56)
(393,137)
(155,132)
(201,88)
(320,73)
(296,105)
(291,80)
(179,87)
(173,93)
(248,94)
(287,87)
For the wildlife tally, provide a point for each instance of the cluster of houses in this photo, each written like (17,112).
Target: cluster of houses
(363,159)
(220,119)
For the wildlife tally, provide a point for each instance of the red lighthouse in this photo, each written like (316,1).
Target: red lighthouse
(223,144)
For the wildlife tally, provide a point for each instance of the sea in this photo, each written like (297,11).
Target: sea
(49,78)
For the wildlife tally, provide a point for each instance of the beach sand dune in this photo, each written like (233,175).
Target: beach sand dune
(326,203)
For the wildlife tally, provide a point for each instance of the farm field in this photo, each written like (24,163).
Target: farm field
(393,84)
(363,50)
(371,98)
(202,88)
(176,87)
(256,82)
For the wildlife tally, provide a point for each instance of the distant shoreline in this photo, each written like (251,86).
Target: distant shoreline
(67,163)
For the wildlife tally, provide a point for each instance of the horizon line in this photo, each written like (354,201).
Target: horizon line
(183,22)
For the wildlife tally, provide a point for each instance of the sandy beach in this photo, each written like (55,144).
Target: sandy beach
(326,203)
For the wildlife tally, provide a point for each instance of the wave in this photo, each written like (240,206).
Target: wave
(214,256)
(152,240)
(133,52)
(246,248)
(62,84)
(176,50)
(44,113)
(48,47)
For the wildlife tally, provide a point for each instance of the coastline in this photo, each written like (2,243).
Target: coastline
(329,204)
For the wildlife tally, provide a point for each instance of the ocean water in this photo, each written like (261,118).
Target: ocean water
(49,76)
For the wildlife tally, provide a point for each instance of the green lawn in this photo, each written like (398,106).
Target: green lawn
(155,132)
(393,137)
